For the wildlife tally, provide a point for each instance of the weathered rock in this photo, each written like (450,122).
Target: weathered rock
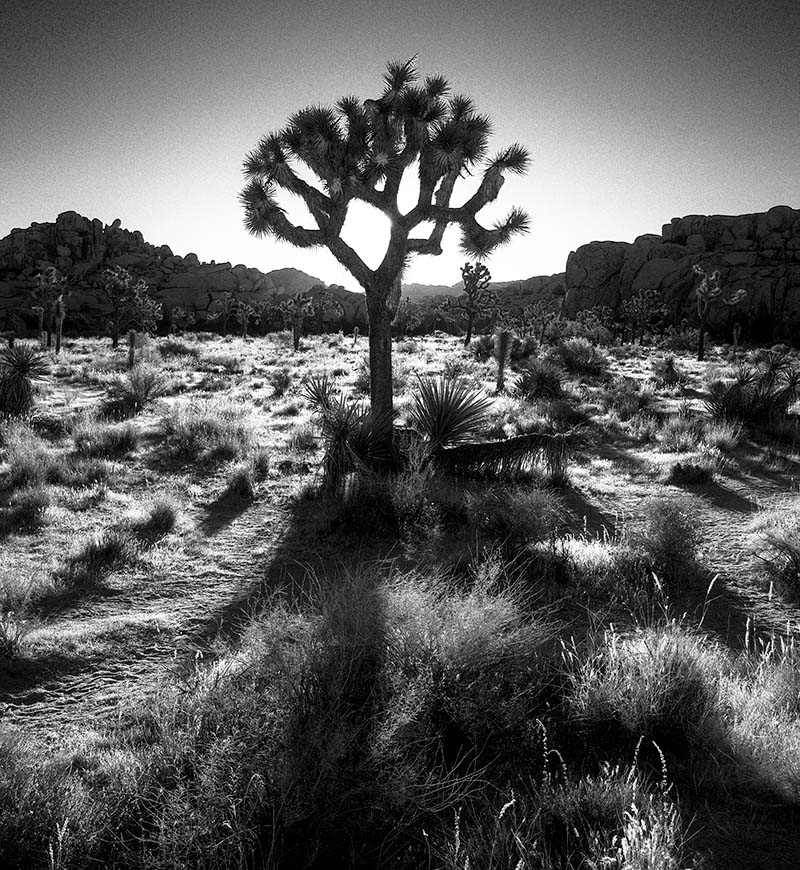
(82,249)
(757,252)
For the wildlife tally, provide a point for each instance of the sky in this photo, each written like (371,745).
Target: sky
(634,112)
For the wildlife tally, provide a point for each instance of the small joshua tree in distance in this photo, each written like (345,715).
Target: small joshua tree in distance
(360,150)
(51,287)
(477,299)
(709,292)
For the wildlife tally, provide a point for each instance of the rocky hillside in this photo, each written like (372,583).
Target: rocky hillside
(82,248)
(758,252)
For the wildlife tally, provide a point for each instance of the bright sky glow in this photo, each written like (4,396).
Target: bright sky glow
(634,113)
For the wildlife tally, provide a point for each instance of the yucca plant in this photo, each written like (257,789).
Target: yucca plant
(353,434)
(756,395)
(540,379)
(20,366)
(448,412)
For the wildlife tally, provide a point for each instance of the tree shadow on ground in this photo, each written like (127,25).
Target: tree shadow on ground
(720,497)
(221,512)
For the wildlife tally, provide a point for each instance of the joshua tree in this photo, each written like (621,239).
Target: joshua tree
(295,311)
(132,307)
(224,307)
(361,151)
(49,295)
(477,299)
(407,317)
(708,293)
(644,310)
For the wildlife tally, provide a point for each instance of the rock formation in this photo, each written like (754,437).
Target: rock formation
(757,252)
(81,249)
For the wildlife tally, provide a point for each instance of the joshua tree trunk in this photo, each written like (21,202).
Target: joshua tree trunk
(380,353)
(468,338)
(131,349)
(701,341)
(48,326)
(59,312)
(297,326)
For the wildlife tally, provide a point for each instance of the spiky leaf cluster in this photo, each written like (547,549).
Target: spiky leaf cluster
(360,150)
(20,367)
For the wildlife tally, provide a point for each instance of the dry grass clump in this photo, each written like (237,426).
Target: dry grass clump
(97,557)
(213,429)
(667,373)
(579,356)
(626,397)
(93,438)
(27,509)
(682,432)
(777,545)
(658,682)
(220,363)
(31,460)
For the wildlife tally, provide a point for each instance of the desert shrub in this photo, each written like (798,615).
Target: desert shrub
(614,818)
(669,539)
(667,373)
(220,363)
(27,508)
(681,432)
(658,682)
(786,429)
(214,430)
(579,356)
(723,435)
(522,348)
(241,481)
(288,409)
(514,515)
(407,346)
(280,381)
(131,392)
(685,341)
(644,427)
(30,459)
(20,367)
(361,382)
(540,379)
(626,396)
(14,627)
(458,367)
(302,439)
(691,473)
(159,519)
(174,347)
(95,439)
(483,348)
(777,546)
